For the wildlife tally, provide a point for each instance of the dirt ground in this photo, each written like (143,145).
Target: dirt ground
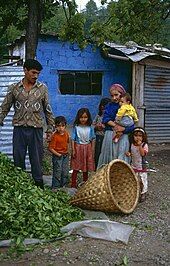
(148,243)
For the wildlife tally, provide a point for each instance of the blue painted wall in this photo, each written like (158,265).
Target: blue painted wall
(55,55)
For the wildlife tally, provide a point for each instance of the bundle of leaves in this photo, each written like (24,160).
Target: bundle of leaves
(27,211)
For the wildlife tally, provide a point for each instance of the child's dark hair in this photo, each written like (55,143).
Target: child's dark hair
(80,113)
(128,97)
(32,64)
(139,129)
(60,120)
(103,103)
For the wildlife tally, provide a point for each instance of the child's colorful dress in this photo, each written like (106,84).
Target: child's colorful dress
(84,157)
(137,165)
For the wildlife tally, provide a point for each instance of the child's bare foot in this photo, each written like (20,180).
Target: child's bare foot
(116,139)
(143,197)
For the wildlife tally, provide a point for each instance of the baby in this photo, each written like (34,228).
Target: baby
(126,115)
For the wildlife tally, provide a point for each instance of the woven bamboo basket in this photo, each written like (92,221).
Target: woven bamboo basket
(113,188)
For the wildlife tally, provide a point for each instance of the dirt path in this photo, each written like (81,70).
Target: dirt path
(148,244)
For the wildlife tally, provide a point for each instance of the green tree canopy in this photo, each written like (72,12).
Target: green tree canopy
(27,16)
(141,21)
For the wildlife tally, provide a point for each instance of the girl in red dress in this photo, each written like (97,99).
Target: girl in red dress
(83,145)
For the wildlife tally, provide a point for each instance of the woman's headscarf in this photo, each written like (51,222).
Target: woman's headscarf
(119,88)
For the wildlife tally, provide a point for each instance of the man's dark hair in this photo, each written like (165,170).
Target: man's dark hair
(60,120)
(32,64)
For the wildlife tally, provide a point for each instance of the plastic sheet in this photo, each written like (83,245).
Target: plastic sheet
(30,241)
(94,215)
(100,229)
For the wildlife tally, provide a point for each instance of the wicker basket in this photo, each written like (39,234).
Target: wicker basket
(113,188)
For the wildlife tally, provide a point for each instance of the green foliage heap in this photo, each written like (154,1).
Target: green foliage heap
(27,211)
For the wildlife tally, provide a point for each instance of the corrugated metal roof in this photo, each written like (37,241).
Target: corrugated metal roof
(130,50)
(137,53)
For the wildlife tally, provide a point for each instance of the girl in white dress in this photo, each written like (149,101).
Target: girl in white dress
(138,151)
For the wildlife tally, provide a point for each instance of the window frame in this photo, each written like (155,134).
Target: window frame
(90,83)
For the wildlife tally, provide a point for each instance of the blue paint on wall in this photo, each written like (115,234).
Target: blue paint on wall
(55,55)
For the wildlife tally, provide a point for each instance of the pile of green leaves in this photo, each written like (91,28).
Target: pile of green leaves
(27,211)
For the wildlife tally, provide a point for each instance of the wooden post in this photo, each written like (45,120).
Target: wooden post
(138,92)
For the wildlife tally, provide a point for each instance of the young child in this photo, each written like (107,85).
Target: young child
(83,145)
(138,151)
(99,128)
(58,146)
(126,115)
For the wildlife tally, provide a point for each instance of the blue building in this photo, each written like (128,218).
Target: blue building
(78,78)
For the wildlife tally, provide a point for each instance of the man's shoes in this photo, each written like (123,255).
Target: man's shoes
(40,184)
(54,189)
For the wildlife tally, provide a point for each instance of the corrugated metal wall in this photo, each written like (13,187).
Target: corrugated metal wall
(8,75)
(157,102)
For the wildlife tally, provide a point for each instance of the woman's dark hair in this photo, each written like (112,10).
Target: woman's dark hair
(103,103)
(80,113)
(139,129)
(32,64)
(60,120)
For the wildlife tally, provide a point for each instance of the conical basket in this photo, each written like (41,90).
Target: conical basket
(113,188)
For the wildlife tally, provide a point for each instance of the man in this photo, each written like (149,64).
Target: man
(30,100)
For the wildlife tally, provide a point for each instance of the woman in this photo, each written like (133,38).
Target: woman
(111,150)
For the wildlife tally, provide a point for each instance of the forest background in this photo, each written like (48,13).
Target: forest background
(143,22)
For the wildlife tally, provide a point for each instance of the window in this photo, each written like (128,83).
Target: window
(80,83)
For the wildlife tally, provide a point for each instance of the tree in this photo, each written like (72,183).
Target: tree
(55,21)
(33,27)
(12,15)
(142,21)
(33,13)
(90,14)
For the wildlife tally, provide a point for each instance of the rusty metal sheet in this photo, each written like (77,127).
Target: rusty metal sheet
(157,102)
(137,53)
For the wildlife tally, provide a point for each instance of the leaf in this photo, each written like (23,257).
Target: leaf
(65,253)
(18,241)
(32,213)
(125,260)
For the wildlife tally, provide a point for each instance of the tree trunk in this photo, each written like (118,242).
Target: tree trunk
(33,28)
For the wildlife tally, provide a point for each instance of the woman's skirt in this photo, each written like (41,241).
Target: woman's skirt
(83,159)
(98,146)
(111,150)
